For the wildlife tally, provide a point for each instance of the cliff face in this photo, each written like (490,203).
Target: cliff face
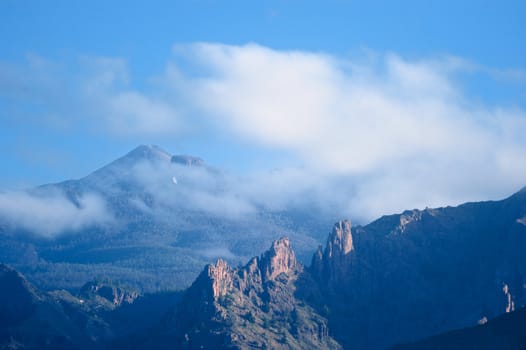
(280,259)
(250,307)
(420,273)
(107,294)
(330,266)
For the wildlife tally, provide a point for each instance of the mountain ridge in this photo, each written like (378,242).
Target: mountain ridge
(410,263)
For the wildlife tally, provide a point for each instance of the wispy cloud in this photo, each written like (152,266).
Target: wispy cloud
(198,189)
(345,117)
(96,94)
(52,214)
(106,89)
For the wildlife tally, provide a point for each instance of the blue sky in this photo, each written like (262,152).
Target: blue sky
(82,83)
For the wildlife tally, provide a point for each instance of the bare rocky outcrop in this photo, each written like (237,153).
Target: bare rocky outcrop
(330,266)
(340,241)
(250,307)
(279,259)
(107,293)
(220,276)
(510,304)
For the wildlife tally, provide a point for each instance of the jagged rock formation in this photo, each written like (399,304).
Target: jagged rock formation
(331,265)
(108,294)
(423,272)
(507,332)
(250,307)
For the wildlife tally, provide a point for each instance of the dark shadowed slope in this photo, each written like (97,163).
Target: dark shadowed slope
(100,313)
(30,319)
(507,332)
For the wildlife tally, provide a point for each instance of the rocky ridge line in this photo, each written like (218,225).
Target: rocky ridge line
(254,306)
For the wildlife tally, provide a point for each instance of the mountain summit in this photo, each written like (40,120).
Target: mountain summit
(150,205)
(331,265)
(148,152)
(151,154)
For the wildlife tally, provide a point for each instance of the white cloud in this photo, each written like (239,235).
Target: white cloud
(108,96)
(348,119)
(404,130)
(52,214)
(197,189)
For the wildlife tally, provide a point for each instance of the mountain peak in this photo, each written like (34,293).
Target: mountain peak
(148,152)
(280,258)
(220,275)
(340,240)
(331,265)
(140,154)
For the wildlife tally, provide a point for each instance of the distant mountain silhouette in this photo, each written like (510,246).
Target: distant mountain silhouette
(172,215)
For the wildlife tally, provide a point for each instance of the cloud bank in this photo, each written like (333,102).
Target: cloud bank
(370,135)
(404,131)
